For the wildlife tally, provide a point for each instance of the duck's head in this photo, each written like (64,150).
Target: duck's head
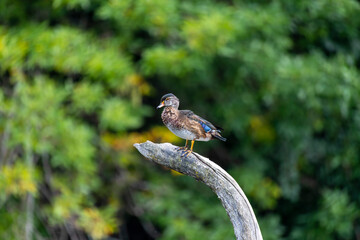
(169,100)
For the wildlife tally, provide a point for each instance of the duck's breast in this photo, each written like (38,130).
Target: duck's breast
(181,132)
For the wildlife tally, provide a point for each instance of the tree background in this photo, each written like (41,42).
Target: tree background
(80,80)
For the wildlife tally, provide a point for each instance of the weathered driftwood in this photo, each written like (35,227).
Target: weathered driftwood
(231,195)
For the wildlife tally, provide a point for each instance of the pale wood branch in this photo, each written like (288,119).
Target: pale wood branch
(231,195)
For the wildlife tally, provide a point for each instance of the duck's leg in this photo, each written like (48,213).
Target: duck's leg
(184,148)
(188,151)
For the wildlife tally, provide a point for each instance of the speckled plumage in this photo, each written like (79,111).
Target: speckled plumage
(184,123)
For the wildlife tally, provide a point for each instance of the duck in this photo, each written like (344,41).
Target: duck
(186,124)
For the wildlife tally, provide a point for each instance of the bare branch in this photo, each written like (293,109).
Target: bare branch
(226,188)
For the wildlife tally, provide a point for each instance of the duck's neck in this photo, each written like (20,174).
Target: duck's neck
(169,114)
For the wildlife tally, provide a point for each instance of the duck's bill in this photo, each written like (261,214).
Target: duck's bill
(161,105)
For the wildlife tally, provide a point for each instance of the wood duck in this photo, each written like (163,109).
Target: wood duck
(185,124)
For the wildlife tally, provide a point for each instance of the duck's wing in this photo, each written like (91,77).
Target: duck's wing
(201,124)
(206,125)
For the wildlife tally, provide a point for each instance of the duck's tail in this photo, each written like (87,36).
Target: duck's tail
(216,134)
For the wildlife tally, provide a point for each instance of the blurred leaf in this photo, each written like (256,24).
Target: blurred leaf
(17,180)
(98,223)
(87,97)
(120,115)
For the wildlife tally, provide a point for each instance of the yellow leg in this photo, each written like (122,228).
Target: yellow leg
(192,144)
(186,143)
(187,151)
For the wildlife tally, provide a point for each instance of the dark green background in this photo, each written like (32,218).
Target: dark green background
(80,81)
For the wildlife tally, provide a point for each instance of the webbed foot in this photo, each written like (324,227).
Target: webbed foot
(181,149)
(186,153)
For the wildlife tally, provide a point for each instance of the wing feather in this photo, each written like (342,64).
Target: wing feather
(204,123)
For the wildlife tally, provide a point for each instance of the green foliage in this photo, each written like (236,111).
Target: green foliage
(54,77)
(70,4)
(166,61)
(271,227)
(334,218)
(178,205)
(158,17)
(120,115)
(251,178)
(78,79)
(87,97)
(202,34)
(337,213)
(16,180)
(67,51)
